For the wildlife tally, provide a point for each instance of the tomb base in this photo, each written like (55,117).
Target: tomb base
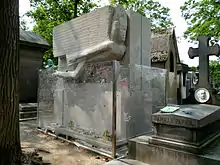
(188,136)
(141,149)
(183,146)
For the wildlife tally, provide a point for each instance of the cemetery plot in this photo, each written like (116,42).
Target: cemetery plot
(37,146)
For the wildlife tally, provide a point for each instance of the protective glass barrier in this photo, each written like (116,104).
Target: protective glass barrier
(140,92)
(49,117)
(82,108)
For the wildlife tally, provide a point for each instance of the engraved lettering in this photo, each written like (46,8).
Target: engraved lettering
(170,120)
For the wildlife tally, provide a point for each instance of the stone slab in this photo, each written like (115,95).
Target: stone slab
(192,147)
(188,134)
(27,106)
(145,41)
(141,150)
(133,53)
(189,116)
(125,162)
(190,129)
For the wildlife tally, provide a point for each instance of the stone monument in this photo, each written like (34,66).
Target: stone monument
(76,45)
(86,47)
(204,92)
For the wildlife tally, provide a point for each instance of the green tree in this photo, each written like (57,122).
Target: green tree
(214,68)
(158,15)
(215,72)
(10,148)
(202,17)
(193,68)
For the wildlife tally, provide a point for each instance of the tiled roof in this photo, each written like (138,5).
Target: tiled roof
(32,37)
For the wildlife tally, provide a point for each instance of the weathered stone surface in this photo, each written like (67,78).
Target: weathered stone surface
(88,36)
(172,88)
(28,111)
(191,128)
(94,37)
(125,162)
(62,63)
(27,106)
(160,46)
(189,116)
(141,150)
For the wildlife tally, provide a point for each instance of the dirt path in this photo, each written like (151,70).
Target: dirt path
(55,151)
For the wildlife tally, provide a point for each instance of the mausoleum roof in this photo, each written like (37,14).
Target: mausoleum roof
(31,37)
(161,45)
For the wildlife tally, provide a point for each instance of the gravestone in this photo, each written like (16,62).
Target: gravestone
(192,126)
(188,136)
(204,92)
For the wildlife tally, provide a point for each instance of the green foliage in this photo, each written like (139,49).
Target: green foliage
(70,124)
(215,72)
(106,135)
(158,15)
(202,17)
(193,68)
(214,68)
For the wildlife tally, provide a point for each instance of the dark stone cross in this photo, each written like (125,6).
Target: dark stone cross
(203,52)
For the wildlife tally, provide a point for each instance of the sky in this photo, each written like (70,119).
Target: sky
(178,20)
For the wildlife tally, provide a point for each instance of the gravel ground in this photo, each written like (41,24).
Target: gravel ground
(55,151)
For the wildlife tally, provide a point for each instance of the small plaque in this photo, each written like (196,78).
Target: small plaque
(202,95)
(169,109)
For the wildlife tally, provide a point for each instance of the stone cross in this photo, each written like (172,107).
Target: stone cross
(203,52)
